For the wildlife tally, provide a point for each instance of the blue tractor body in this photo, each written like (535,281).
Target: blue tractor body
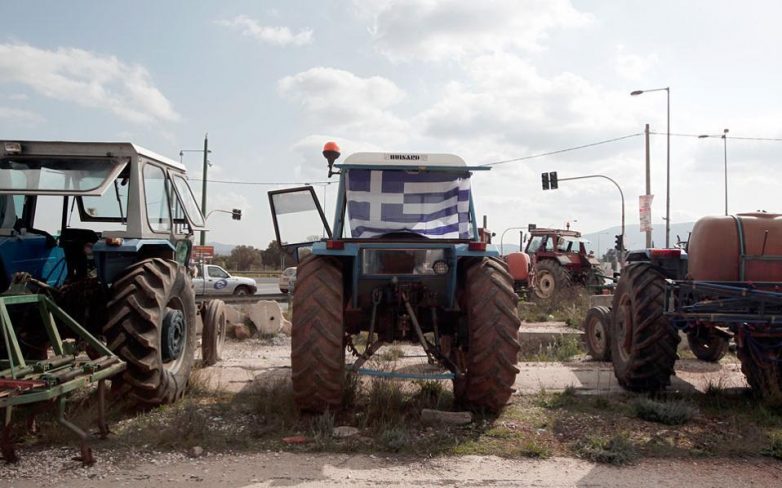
(405,262)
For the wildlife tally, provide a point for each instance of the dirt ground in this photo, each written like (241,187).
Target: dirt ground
(327,470)
(557,405)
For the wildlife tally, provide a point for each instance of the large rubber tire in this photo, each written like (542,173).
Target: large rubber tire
(150,293)
(213,335)
(551,280)
(708,347)
(491,353)
(317,336)
(643,343)
(761,363)
(597,333)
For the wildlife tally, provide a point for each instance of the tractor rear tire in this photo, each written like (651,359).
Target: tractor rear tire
(318,336)
(152,328)
(761,363)
(708,347)
(489,361)
(213,335)
(643,343)
(597,333)
(550,280)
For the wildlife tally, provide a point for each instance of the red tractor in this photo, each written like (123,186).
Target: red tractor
(560,261)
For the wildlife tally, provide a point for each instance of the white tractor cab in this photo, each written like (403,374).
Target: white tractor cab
(99,224)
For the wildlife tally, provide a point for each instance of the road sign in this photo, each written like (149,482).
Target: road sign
(203,252)
(645,212)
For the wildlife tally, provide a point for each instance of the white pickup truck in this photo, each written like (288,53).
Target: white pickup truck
(213,280)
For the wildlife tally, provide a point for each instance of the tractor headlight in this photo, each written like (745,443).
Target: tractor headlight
(440,267)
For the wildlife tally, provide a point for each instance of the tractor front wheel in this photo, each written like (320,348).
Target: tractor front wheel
(643,343)
(597,333)
(317,336)
(213,335)
(152,328)
(550,280)
(761,363)
(707,346)
(488,360)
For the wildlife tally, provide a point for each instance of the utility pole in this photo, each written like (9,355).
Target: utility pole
(648,182)
(203,185)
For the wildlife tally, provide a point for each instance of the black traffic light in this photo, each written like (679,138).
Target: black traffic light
(236,214)
(619,245)
(549,180)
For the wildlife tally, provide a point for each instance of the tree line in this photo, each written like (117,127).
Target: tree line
(248,258)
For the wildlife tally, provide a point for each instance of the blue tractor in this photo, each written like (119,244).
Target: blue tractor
(104,230)
(404,262)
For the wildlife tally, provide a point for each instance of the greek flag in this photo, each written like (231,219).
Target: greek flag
(432,204)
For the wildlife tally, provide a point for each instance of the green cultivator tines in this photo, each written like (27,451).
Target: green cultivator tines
(25,382)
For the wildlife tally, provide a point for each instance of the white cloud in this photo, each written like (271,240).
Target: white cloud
(18,96)
(280,36)
(632,66)
(346,102)
(444,29)
(88,79)
(18,116)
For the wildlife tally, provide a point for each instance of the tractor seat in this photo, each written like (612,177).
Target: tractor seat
(73,242)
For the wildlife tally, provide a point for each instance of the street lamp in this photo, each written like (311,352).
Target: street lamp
(724,138)
(668,161)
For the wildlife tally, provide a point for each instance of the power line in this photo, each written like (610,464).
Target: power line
(720,135)
(559,151)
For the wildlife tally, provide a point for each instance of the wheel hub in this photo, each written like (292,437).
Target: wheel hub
(173,334)
(546,284)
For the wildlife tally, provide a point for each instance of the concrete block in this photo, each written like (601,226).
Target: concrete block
(265,316)
(536,336)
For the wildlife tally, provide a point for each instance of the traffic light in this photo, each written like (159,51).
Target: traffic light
(619,245)
(236,214)
(544,177)
(552,177)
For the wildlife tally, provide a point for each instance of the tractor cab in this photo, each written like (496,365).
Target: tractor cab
(73,209)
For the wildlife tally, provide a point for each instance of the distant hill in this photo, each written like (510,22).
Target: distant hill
(635,239)
(223,249)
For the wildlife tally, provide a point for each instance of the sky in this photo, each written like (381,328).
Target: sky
(272,81)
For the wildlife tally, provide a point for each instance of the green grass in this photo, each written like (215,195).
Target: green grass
(668,412)
(775,448)
(616,450)
(564,348)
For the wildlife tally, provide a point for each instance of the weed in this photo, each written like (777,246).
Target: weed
(350,392)
(391,354)
(532,449)
(617,450)
(394,438)
(322,428)
(672,412)
(775,449)
(563,348)
(274,405)
(556,400)
(570,308)
(385,404)
(432,395)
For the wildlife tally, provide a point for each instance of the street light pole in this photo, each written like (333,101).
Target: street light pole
(667,160)
(724,138)
(502,237)
(621,194)
(725,153)
(206,152)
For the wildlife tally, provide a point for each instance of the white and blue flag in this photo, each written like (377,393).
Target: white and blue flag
(432,204)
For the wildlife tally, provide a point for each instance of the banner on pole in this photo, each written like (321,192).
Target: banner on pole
(645,212)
